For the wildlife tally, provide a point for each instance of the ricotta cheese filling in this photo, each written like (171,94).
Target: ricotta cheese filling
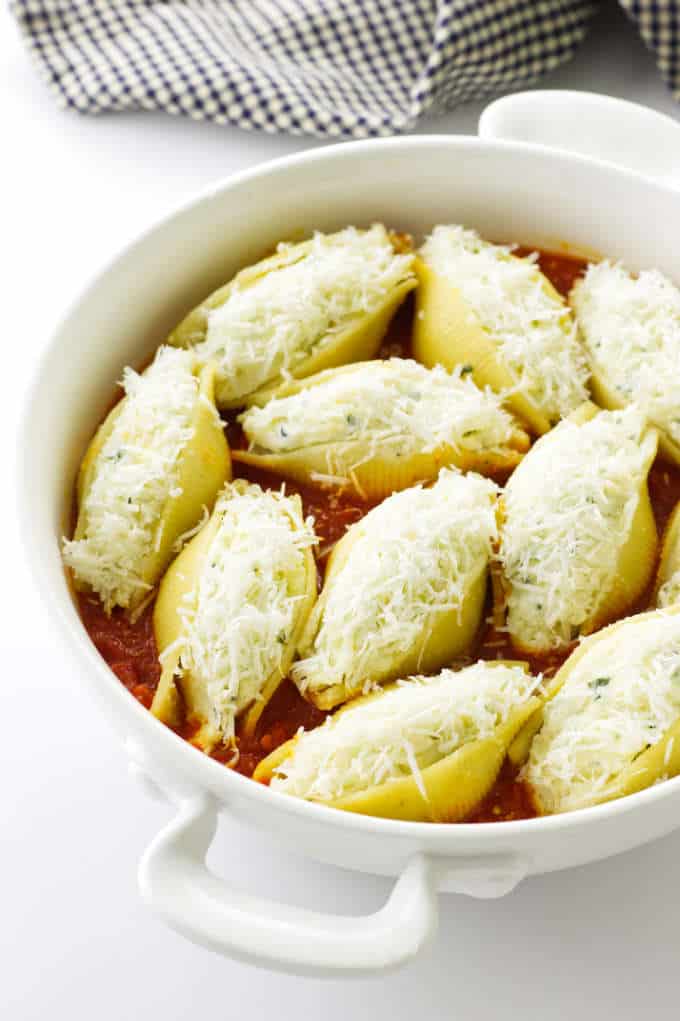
(241,614)
(396,405)
(568,511)
(266,329)
(631,330)
(619,699)
(533,329)
(136,474)
(415,555)
(402,730)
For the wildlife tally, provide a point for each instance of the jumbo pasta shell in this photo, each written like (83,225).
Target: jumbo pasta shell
(446,789)
(202,466)
(381,458)
(354,338)
(420,548)
(188,606)
(452,327)
(578,535)
(444,640)
(447,332)
(630,327)
(453,787)
(611,723)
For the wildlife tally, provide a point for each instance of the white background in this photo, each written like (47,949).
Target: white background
(75,942)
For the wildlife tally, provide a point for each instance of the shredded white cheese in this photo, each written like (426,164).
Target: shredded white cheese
(413,556)
(568,512)
(136,474)
(631,329)
(669,592)
(396,405)
(402,730)
(266,329)
(533,329)
(239,617)
(618,700)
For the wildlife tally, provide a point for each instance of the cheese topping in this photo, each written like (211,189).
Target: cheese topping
(136,474)
(669,592)
(631,329)
(619,699)
(413,556)
(533,329)
(266,329)
(396,405)
(402,730)
(243,609)
(568,512)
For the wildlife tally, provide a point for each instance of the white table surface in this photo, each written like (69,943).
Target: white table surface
(76,943)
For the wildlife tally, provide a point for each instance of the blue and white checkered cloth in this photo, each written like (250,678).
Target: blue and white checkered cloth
(338,68)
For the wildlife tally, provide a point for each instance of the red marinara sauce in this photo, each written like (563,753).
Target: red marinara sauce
(130,649)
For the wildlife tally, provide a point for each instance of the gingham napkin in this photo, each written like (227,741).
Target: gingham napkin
(322,67)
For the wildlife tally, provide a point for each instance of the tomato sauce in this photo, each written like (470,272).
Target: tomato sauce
(130,649)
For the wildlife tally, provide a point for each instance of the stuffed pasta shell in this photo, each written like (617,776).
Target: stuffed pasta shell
(311,306)
(404,590)
(578,537)
(380,426)
(495,314)
(424,749)
(667,589)
(230,611)
(612,725)
(154,466)
(631,331)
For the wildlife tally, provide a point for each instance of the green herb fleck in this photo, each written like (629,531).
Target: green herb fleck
(597,684)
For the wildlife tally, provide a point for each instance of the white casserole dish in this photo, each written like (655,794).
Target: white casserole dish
(507,187)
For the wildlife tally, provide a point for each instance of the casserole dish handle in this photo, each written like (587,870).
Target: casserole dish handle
(176,883)
(603,128)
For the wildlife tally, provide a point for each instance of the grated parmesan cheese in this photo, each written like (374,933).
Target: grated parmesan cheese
(413,556)
(136,474)
(266,329)
(619,699)
(402,730)
(568,511)
(396,405)
(532,328)
(631,329)
(669,592)
(240,615)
